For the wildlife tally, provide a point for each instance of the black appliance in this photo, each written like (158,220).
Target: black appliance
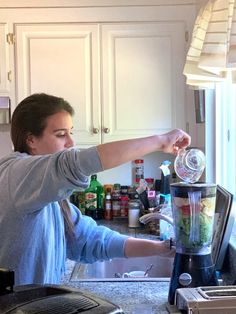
(48,299)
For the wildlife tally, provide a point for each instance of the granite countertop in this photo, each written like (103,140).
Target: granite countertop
(137,297)
(133,297)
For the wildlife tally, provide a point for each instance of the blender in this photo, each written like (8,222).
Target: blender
(193,209)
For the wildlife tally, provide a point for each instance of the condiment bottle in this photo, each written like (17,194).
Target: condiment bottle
(116,200)
(94,199)
(108,205)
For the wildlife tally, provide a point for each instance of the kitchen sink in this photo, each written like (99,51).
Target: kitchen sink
(112,270)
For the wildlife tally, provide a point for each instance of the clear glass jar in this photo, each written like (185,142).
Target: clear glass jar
(190,164)
(134,213)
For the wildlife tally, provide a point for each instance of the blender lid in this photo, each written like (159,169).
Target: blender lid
(183,184)
(182,189)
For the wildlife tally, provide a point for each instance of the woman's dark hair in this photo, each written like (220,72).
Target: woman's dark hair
(30,117)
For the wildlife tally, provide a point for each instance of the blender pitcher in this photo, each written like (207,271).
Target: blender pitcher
(193,209)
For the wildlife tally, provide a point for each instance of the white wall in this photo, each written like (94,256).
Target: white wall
(124,174)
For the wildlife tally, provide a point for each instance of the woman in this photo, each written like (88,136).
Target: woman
(39,228)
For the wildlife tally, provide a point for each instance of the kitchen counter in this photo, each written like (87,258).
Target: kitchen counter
(121,225)
(133,297)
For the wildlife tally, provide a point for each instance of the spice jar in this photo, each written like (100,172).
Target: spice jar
(150,183)
(134,212)
(116,200)
(124,189)
(139,170)
(116,192)
(124,206)
(116,208)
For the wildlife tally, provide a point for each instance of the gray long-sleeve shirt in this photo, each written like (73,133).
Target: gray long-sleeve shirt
(33,241)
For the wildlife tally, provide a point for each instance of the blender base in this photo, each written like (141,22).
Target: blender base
(191,271)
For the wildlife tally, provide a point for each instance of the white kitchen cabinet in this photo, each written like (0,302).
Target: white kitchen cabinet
(142,82)
(5,73)
(124,80)
(62,60)
(119,64)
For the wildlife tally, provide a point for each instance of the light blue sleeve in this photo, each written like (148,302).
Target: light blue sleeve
(35,181)
(93,242)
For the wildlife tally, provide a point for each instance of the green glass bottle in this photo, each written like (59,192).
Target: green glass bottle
(94,197)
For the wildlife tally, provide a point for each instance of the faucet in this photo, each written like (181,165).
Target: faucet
(155,214)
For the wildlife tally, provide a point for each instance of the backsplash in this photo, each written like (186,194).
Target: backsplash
(124,174)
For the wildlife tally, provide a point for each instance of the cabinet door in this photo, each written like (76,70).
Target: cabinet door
(4,59)
(143,84)
(62,60)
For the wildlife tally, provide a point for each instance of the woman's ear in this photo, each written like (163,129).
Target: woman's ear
(30,141)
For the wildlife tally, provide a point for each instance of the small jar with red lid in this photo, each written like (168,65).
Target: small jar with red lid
(124,205)
(139,169)
(150,183)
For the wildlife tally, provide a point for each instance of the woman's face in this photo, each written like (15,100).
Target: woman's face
(56,136)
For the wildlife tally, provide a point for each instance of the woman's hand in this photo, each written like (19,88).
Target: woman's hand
(116,153)
(135,247)
(166,250)
(174,140)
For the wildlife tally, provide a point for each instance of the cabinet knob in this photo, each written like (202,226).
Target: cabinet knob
(95,130)
(106,130)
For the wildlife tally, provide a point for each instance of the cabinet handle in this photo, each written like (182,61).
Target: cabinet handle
(95,130)
(106,130)
(9,76)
